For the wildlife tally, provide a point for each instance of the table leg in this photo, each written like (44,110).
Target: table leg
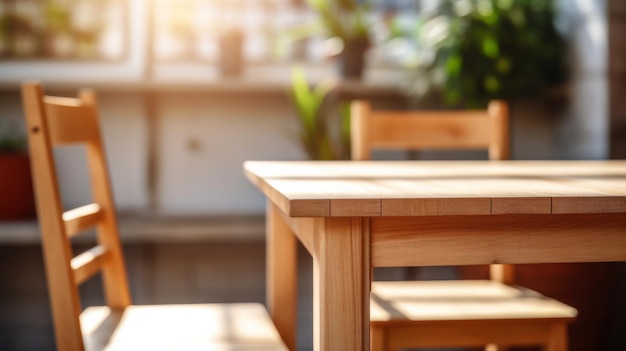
(342,284)
(282,280)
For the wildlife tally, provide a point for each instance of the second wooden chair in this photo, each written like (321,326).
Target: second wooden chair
(474,313)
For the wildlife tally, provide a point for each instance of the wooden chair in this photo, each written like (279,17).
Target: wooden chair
(56,121)
(457,313)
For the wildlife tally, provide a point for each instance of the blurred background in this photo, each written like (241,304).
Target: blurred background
(190,89)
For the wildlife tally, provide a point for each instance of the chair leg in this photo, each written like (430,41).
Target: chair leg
(557,338)
(377,339)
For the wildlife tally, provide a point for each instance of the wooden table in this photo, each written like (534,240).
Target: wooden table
(352,216)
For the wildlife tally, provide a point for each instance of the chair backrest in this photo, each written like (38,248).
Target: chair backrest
(53,121)
(429,130)
(433,130)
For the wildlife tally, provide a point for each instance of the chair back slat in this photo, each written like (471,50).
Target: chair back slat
(81,219)
(429,130)
(88,263)
(70,121)
(55,121)
(449,131)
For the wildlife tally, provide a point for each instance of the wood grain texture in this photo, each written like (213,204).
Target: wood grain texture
(81,218)
(467,240)
(350,207)
(589,204)
(431,188)
(499,147)
(341,286)
(71,121)
(444,213)
(114,276)
(281,275)
(88,263)
(407,314)
(526,205)
(401,302)
(64,299)
(218,327)
(427,130)
(471,333)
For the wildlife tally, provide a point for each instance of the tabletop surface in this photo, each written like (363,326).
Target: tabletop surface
(433,188)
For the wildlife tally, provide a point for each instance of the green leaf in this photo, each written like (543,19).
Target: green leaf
(492,84)
(305,101)
(452,96)
(490,47)
(503,65)
(344,113)
(310,103)
(453,64)
(507,49)
(505,4)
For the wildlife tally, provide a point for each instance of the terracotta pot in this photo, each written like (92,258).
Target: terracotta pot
(16,192)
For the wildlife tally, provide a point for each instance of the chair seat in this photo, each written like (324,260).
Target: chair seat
(459,300)
(216,327)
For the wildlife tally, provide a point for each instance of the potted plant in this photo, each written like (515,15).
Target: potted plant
(345,20)
(17,199)
(323,121)
(230,38)
(231,51)
(471,52)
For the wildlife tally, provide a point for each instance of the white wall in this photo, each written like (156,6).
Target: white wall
(204,141)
